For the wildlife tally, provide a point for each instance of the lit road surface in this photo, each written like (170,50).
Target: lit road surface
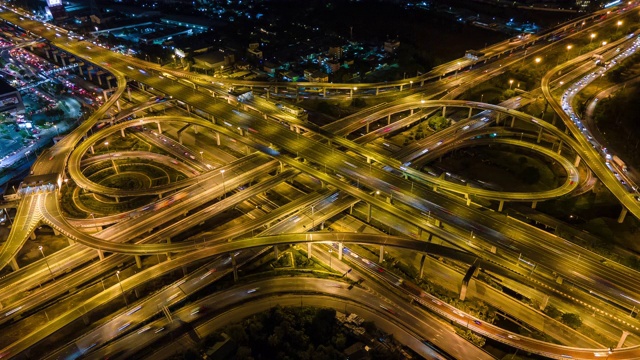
(284,291)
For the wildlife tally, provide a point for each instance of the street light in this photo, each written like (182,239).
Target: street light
(201,156)
(410,84)
(618,28)
(45,260)
(107,143)
(121,288)
(537,60)
(593,36)
(224,190)
(510,84)
(604,43)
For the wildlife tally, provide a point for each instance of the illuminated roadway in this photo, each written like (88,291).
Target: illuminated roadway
(285,141)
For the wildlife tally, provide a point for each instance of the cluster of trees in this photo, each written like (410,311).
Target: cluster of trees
(290,333)
(572,320)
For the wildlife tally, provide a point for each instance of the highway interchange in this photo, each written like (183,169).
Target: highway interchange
(350,172)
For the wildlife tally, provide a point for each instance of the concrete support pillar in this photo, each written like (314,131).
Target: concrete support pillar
(437,223)
(308,250)
(468,199)
(56,232)
(410,112)
(129,93)
(544,302)
(473,269)
(276,252)
(340,250)
(32,236)
(350,92)
(577,161)
(470,112)
(377,91)
(217,139)
(122,132)
(539,136)
(368,212)
(235,267)
(422,265)
(101,254)
(381,257)
(159,128)
(622,215)
(559,147)
(118,105)
(501,206)
(498,118)
(623,337)
(324,92)
(105,94)
(389,119)
(71,242)
(367,131)
(534,204)
(138,261)
(368,160)
(513,121)
(444,111)
(14,264)
(401,87)
(168,254)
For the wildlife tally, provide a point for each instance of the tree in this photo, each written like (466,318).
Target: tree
(572,320)
(552,311)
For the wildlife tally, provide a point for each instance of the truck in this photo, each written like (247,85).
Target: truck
(616,160)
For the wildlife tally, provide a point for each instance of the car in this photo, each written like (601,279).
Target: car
(513,337)
(477,322)
(251,291)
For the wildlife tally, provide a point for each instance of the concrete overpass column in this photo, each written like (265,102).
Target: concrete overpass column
(324,91)
(623,337)
(297,94)
(577,162)
(411,112)
(217,139)
(468,199)
(513,121)
(159,127)
(437,223)
(91,149)
(544,302)
(340,249)
(422,264)
(122,132)
(534,204)
(129,93)
(33,235)
(389,119)
(138,261)
(498,118)
(622,215)
(276,252)
(308,250)
(14,264)
(235,267)
(501,206)
(381,258)
(71,242)
(539,136)
(368,160)
(444,111)
(105,94)
(368,212)
(367,131)
(473,270)
(56,232)
(401,87)
(101,254)
(118,105)
(559,147)
(470,111)
(377,91)
(168,254)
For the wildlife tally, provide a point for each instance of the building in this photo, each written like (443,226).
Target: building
(254,53)
(357,351)
(335,52)
(391,46)
(10,99)
(316,76)
(333,65)
(198,24)
(214,60)
(270,68)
